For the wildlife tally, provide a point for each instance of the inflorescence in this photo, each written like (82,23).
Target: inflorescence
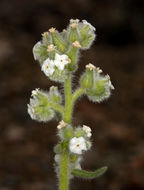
(58,55)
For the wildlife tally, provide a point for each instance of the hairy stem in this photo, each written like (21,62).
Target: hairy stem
(68,100)
(64,179)
(57,107)
(77,94)
(67,117)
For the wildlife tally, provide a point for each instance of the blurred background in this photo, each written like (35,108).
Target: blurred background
(26,147)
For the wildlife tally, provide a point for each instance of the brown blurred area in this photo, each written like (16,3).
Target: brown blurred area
(26,147)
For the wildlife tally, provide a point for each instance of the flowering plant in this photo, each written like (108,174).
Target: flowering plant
(58,54)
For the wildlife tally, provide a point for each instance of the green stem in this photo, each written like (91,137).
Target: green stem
(67,117)
(57,107)
(64,179)
(68,100)
(77,94)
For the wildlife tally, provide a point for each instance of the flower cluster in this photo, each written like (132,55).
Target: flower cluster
(80,142)
(77,141)
(39,107)
(49,66)
(97,87)
(58,55)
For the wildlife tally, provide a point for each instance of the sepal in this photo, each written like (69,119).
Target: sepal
(86,80)
(40,52)
(59,41)
(79,132)
(59,75)
(66,133)
(55,95)
(72,34)
(87,34)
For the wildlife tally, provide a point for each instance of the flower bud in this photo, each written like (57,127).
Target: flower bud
(58,40)
(73,35)
(38,108)
(87,34)
(44,48)
(51,49)
(86,80)
(79,132)
(58,149)
(72,31)
(46,38)
(97,87)
(66,133)
(101,89)
(40,52)
(83,31)
(73,54)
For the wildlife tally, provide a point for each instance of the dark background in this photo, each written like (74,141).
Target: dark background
(26,147)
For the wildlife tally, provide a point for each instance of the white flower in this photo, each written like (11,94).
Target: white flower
(90,67)
(98,70)
(61,125)
(87,23)
(76,44)
(35,92)
(87,130)
(61,60)
(74,23)
(52,30)
(51,48)
(77,145)
(74,20)
(45,34)
(48,67)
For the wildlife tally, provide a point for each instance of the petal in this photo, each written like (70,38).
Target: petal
(51,63)
(57,56)
(61,66)
(64,56)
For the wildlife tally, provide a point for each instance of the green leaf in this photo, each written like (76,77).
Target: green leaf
(87,174)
